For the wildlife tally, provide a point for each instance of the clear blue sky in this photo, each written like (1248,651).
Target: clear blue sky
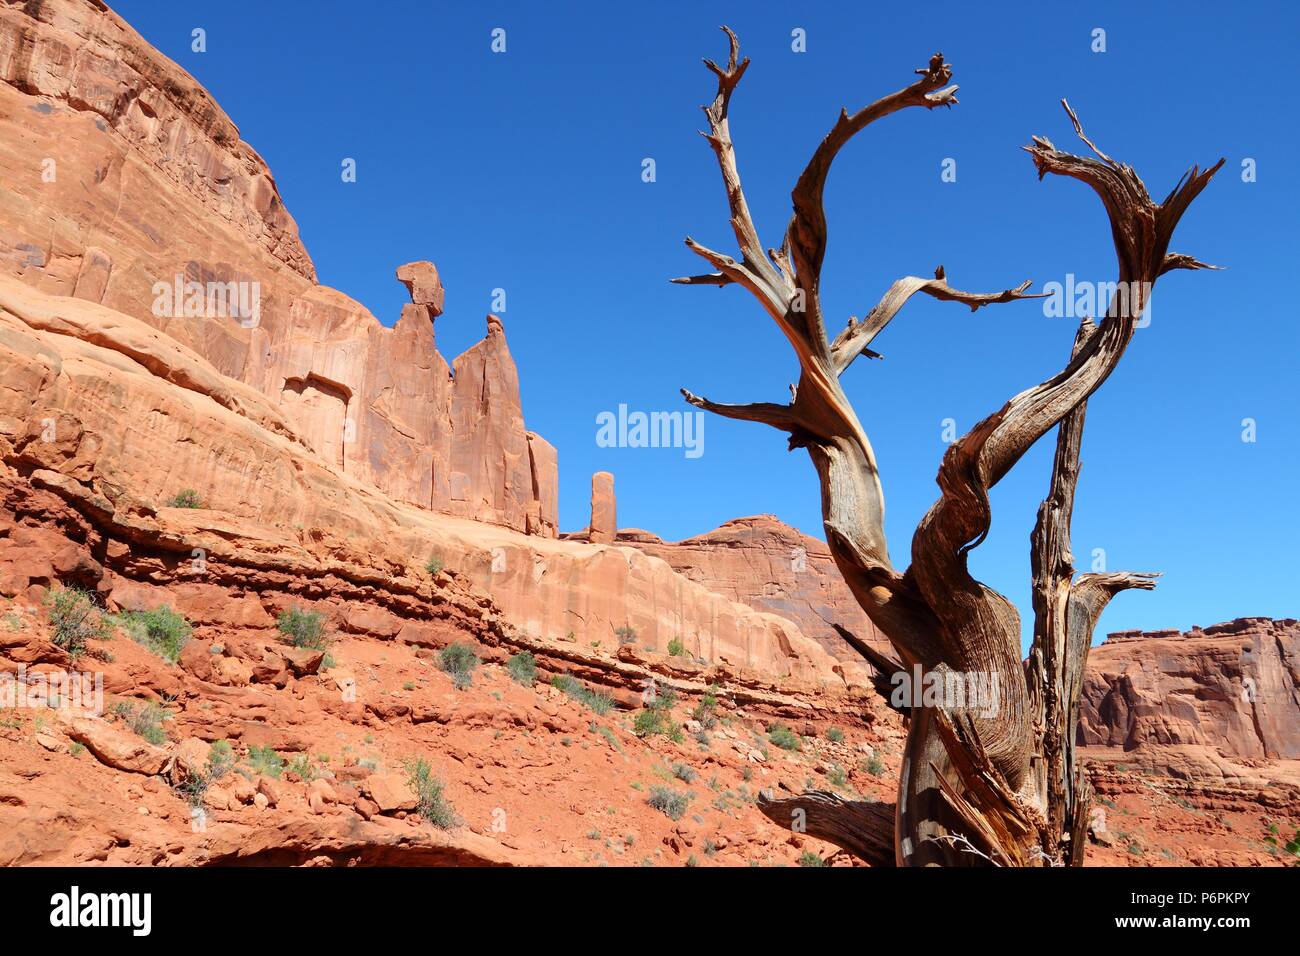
(523,171)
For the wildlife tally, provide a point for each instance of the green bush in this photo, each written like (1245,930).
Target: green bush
(809,858)
(265,762)
(590,698)
(145,721)
(221,758)
(434,565)
(522,668)
(706,711)
(459,661)
(835,735)
(161,630)
(431,803)
(185,498)
(782,736)
(304,629)
(668,802)
(874,765)
(676,648)
(74,619)
(684,773)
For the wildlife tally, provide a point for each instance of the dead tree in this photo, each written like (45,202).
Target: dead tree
(975,788)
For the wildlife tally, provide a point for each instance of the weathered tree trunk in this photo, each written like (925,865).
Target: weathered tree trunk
(979,784)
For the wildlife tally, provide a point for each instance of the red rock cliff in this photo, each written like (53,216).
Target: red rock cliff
(123,177)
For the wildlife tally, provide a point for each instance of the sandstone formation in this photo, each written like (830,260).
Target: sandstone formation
(126,182)
(765,563)
(120,417)
(1232,689)
(604,509)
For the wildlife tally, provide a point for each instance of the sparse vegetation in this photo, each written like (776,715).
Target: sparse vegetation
(874,765)
(161,630)
(625,634)
(835,735)
(592,699)
(265,762)
(434,565)
(304,629)
(304,768)
(459,661)
(145,721)
(684,773)
(782,736)
(837,777)
(706,710)
(432,804)
(656,718)
(1292,847)
(676,648)
(809,858)
(522,668)
(185,498)
(668,802)
(221,759)
(74,619)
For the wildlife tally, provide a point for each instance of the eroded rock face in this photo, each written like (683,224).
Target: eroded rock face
(765,563)
(604,509)
(109,412)
(125,183)
(1233,688)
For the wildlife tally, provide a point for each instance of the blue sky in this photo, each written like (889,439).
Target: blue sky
(523,171)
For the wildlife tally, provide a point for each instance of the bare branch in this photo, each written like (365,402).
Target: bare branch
(719,137)
(806,235)
(853,341)
(769,413)
(711,278)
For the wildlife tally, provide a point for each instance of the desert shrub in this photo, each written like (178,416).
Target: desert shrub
(304,629)
(835,735)
(194,788)
(304,768)
(522,668)
(837,776)
(705,711)
(676,648)
(809,858)
(185,498)
(459,661)
(432,804)
(73,618)
(684,773)
(590,698)
(434,565)
(1274,839)
(782,736)
(161,630)
(265,762)
(668,802)
(874,765)
(625,634)
(145,721)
